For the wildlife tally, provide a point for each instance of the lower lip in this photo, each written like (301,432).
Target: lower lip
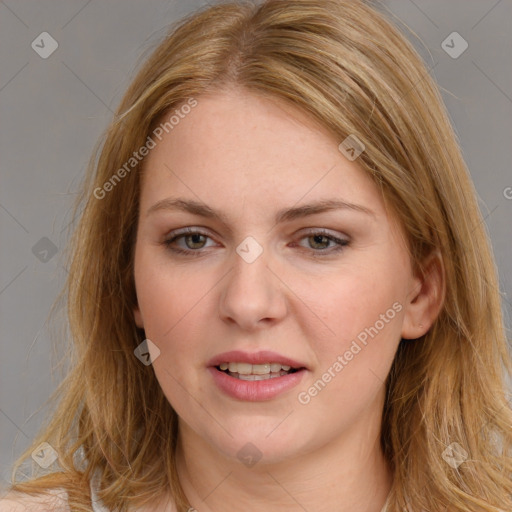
(255,390)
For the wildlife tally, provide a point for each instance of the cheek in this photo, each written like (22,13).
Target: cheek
(363,315)
(362,307)
(170,301)
(169,298)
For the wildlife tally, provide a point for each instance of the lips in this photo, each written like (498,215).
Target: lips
(255,388)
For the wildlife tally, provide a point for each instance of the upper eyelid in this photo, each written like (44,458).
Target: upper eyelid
(206,232)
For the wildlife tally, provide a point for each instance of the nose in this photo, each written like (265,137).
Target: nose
(252,297)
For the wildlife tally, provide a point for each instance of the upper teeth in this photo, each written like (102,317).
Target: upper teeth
(254,369)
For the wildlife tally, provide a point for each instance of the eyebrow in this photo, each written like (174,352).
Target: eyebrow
(285,215)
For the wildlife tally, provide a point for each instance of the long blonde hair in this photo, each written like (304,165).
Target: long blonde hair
(346,65)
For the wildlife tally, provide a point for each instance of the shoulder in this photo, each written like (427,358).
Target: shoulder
(17,502)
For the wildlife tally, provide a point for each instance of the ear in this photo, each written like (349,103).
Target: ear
(425,298)
(137,315)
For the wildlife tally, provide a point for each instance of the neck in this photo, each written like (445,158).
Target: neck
(346,474)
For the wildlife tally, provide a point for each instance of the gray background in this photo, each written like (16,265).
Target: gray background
(54,110)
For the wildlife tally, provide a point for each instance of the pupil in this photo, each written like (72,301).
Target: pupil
(318,239)
(195,239)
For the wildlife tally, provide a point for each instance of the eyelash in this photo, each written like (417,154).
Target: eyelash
(341,243)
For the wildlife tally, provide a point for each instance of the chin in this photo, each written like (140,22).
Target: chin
(261,440)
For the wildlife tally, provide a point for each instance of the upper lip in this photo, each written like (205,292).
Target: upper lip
(261,357)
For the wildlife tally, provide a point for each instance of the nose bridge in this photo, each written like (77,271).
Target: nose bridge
(251,292)
(251,260)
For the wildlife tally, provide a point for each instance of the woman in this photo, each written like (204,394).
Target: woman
(282,295)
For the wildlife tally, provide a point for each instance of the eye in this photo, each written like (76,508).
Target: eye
(323,241)
(191,241)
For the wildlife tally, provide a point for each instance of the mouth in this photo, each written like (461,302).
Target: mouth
(252,372)
(255,376)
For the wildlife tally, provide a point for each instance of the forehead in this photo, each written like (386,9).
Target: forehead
(237,144)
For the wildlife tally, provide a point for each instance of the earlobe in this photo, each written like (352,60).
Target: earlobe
(425,299)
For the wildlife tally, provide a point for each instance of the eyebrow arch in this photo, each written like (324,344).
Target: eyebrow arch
(285,215)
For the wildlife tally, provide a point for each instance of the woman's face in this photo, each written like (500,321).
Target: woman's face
(269,272)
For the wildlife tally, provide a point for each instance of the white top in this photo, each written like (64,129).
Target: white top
(97,504)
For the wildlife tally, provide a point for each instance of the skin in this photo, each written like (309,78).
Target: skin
(249,157)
